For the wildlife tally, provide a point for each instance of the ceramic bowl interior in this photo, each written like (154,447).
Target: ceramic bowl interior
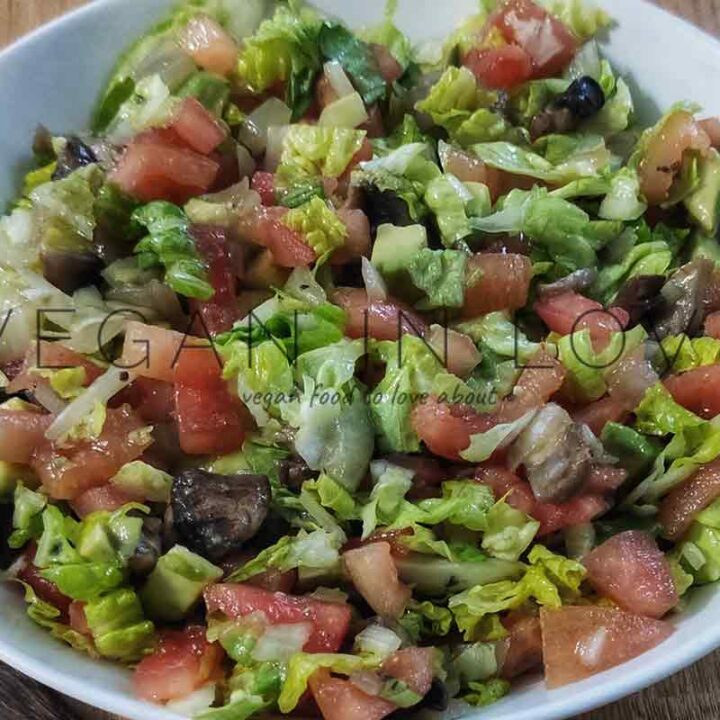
(54,76)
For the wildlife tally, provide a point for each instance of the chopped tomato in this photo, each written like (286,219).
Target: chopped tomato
(664,154)
(209,45)
(263,183)
(697,390)
(78,621)
(521,651)
(496,282)
(221,311)
(324,92)
(392,537)
(20,433)
(342,700)
(210,420)
(183,662)
(265,227)
(570,312)
(358,242)
(604,479)
(597,414)
(151,351)
(330,620)
(105,497)
(446,429)
(46,590)
(711,126)
(152,400)
(679,508)
(539,381)
(375,577)
(469,168)
(578,511)
(413,666)
(712,325)
(504,482)
(197,127)
(155,171)
(456,350)
(390,68)
(549,43)
(381,320)
(581,641)
(631,570)
(374,126)
(500,68)
(66,471)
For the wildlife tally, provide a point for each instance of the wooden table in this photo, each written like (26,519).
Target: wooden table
(690,695)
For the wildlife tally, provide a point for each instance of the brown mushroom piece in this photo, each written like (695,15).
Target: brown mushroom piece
(70,271)
(214,515)
(148,551)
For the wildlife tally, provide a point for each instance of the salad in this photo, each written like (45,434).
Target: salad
(352,378)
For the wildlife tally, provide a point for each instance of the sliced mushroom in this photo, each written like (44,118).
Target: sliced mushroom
(70,271)
(215,515)
(75,155)
(294,471)
(576,281)
(149,548)
(640,296)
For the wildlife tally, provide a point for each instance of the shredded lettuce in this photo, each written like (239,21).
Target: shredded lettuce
(321,228)
(508,532)
(440,274)
(699,552)
(583,18)
(679,353)
(27,516)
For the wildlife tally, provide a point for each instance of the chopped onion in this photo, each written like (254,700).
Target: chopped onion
(244,16)
(246,164)
(369,682)
(538,441)
(101,391)
(275,144)
(338,79)
(48,398)
(195,703)
(254,131)
(377,640)
(374,283)
(347,112)
(169,61)
(281,642)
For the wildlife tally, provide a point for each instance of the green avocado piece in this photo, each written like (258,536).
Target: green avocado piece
(703,204)
(393,250)
(176,584)
(210,89)
(635,451)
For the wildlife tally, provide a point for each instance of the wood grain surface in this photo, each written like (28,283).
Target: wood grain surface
(690,695)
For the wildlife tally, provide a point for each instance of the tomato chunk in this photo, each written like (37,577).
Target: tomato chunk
(105,497)
(183,662)
(679,508)
(330,620)
(712,325)
(154,171)
(581,641)
(697,390)
(151,351)
(46,590)
(375,576)
(631,570)
(288,247)
(20,433)
(341,700)
(414,666)
(496,282)
(502,68)
(522,649)
(210,420)
(263,183)
(597,414)
(209,45)
(197,127)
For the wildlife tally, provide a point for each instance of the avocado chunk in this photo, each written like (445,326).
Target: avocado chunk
(176,584)
(703,204)
(212,91)
(635,452)
(394,249)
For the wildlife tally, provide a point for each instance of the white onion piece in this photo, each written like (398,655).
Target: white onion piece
(538,441)
(369,682)
(374,283)
(194,703)
(48,398)
(275,144)
(254,131)
(281,642)
(338,79)
(378,640)
(102,390)
(347,112)
(169,61)
(246,164)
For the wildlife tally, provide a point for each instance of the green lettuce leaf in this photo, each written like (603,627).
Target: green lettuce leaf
(486,693)
(483,445)
(699,552)
(387,497)
(140,480)
(27,516)
(679,353)
(583,18)
(426,620)
(321,228)
(508,532)
(452,99)
(447,197)
(659,414)
(623,201)
(440,274)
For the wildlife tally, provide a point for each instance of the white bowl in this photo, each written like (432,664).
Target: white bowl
(53,77)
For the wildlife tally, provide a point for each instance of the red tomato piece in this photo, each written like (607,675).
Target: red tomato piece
(263,183)
(631,570)
(446,429)
(501,68)
(597,414)
(570,312)
(390,68)
(697,390)
(458,351)
(197,127)
(375,577)
(381,320)
(341,700)
(712,325)
(209,45)
(221,311)
(581,641)
(679,508)
(288,247)
(78,621)
(358,242)
(210,420)
(496,282)
(413,666)
(20,433)
(152,400)
(549,43)
(711,126)
(330,620)
(604,480)
(578,511)
(183,662)
(67,472)
(504,482)
(469,168)
(151,351)
(521,651)
(154,171)
(105,497)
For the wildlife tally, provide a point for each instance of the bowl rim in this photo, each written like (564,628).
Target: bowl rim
(590,694)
